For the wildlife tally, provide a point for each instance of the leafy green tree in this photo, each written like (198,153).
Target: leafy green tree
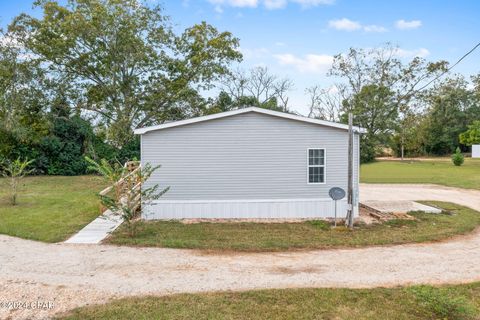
(23,101)
(472,135)
(374,109)
(125,61)
(383,68)
(15,171)
(225,102)
(451,107)
(413,136)
(222,103)
(23,97)
(65,148)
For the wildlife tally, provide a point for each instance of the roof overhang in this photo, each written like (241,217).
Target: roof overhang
(246,110)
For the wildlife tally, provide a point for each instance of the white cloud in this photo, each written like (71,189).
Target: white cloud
(235,3)
(407,25)
(310,63)
(275,4)
(344,24)
(268,4)
(256,53)
(421,52)
(374,28)
(313,3)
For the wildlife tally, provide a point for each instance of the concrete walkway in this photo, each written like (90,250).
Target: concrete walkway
(76,275)
(98,229)
(399,206)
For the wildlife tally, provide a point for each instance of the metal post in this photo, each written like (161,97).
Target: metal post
(349,220)
(335,214)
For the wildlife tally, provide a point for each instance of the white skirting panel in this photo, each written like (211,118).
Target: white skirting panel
(245,209)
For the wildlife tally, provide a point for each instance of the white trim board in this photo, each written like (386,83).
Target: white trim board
(239,200)
(246,110)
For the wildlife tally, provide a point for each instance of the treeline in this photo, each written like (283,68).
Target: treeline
(449,110)
(77,80)
(416,108)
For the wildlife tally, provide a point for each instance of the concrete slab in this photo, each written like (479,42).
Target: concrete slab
(400,206)
(98,229)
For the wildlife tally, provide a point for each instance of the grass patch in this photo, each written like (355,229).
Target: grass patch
(444,302)
(307,235)
(414,303)
(439,171)
(50,208)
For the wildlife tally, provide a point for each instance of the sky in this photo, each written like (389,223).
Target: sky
(298,38)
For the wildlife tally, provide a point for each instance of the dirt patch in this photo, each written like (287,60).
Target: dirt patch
(297,270)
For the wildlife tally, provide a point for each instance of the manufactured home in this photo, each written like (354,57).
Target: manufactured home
(249,163)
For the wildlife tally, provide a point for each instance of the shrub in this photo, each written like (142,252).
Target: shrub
(367,150)
(65,147)
(457,157)
(130,151)
(61,148)
(15,171)
(443,304)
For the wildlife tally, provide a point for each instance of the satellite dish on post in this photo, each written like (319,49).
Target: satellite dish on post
(336,193)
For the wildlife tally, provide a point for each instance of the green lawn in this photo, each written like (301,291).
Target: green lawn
(412,303)
(306,235)
(438,171)
(50,208)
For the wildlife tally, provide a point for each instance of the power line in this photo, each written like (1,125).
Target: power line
(450,68)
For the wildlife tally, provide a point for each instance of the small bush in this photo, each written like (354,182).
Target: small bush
(443,304)
(457,157)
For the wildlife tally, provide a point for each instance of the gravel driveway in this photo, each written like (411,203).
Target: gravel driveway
(76,275)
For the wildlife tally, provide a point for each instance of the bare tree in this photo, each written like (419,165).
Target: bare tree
(325,103)
(282,87)
(260,84)
(235,84)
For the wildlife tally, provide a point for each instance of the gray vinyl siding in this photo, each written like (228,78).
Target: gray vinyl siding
(245,156)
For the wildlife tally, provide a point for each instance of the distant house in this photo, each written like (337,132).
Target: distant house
(476,151)
(248,163)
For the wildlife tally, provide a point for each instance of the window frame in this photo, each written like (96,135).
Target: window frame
(324,166)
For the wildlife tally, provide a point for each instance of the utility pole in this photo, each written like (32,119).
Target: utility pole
(349,220)
(403,141)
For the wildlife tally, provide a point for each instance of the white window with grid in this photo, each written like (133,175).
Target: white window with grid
(316,166)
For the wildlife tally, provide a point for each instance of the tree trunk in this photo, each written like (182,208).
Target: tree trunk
(402,144)
(14,191)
